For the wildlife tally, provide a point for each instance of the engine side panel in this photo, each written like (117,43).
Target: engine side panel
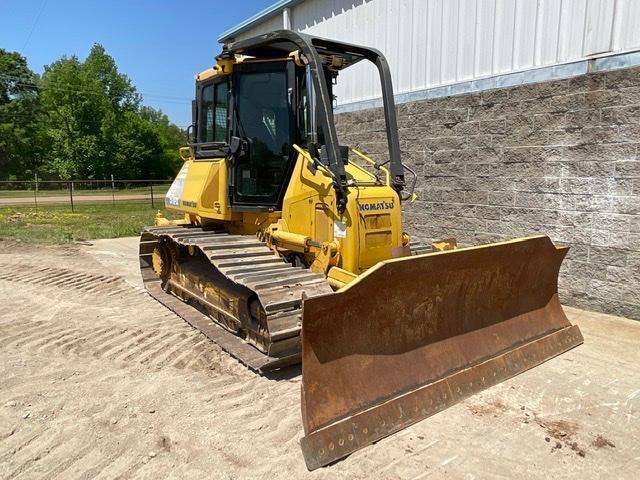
(201,189)
(370,227)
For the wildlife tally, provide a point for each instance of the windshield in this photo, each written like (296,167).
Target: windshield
(264,119)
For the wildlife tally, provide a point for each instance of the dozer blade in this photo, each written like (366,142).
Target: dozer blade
(414,335)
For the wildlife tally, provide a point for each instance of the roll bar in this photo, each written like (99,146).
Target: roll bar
(280,42)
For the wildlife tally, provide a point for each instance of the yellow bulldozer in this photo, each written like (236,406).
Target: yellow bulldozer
(292,250)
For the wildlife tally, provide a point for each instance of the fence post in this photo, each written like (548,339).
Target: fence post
(151,185)
(71,195)
(35,194)
(113,191)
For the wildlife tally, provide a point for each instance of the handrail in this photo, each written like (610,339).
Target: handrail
(309,158)
(375,165)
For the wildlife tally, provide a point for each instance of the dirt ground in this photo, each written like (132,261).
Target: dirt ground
(99,381)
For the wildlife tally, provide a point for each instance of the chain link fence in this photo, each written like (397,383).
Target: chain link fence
(39,193)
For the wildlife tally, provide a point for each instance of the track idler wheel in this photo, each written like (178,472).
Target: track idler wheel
(162,259)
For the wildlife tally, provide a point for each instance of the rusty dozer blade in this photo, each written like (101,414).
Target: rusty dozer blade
(414,335)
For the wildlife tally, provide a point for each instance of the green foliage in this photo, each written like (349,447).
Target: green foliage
(80,120)
(172,138)
(20,117)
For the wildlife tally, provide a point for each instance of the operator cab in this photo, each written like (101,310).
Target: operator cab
(261,109)
(260,100)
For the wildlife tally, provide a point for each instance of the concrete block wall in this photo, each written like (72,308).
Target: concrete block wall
(559,158)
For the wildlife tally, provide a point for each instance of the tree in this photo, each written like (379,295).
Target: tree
(20,142)
(114,86)
(172,138)
(82,119)
(86,102)
(139,147)
(75,109)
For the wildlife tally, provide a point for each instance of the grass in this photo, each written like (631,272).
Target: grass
(51,224)
(157,189)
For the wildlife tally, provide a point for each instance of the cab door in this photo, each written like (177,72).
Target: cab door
(263,119)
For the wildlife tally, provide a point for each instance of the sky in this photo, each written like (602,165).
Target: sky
(160,45)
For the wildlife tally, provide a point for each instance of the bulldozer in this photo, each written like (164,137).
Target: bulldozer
(290,249)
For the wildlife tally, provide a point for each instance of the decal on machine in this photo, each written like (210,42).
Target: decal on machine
(175,191)
(381,205)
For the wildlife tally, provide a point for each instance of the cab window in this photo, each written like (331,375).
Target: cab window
(213,117)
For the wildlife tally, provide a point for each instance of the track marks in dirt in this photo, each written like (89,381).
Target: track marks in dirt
(90,418)
(18,444)
(158,348)
(84,346)
(61,277)
(52,454)
(65,461)
(91,314)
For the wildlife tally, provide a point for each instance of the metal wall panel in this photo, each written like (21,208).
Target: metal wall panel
(598,27)
(267,25)
(430,43)
(626,33)
(484,38)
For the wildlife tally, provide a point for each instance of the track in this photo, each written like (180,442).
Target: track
(250,264)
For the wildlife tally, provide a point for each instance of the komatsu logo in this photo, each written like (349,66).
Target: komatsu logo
(382,205)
